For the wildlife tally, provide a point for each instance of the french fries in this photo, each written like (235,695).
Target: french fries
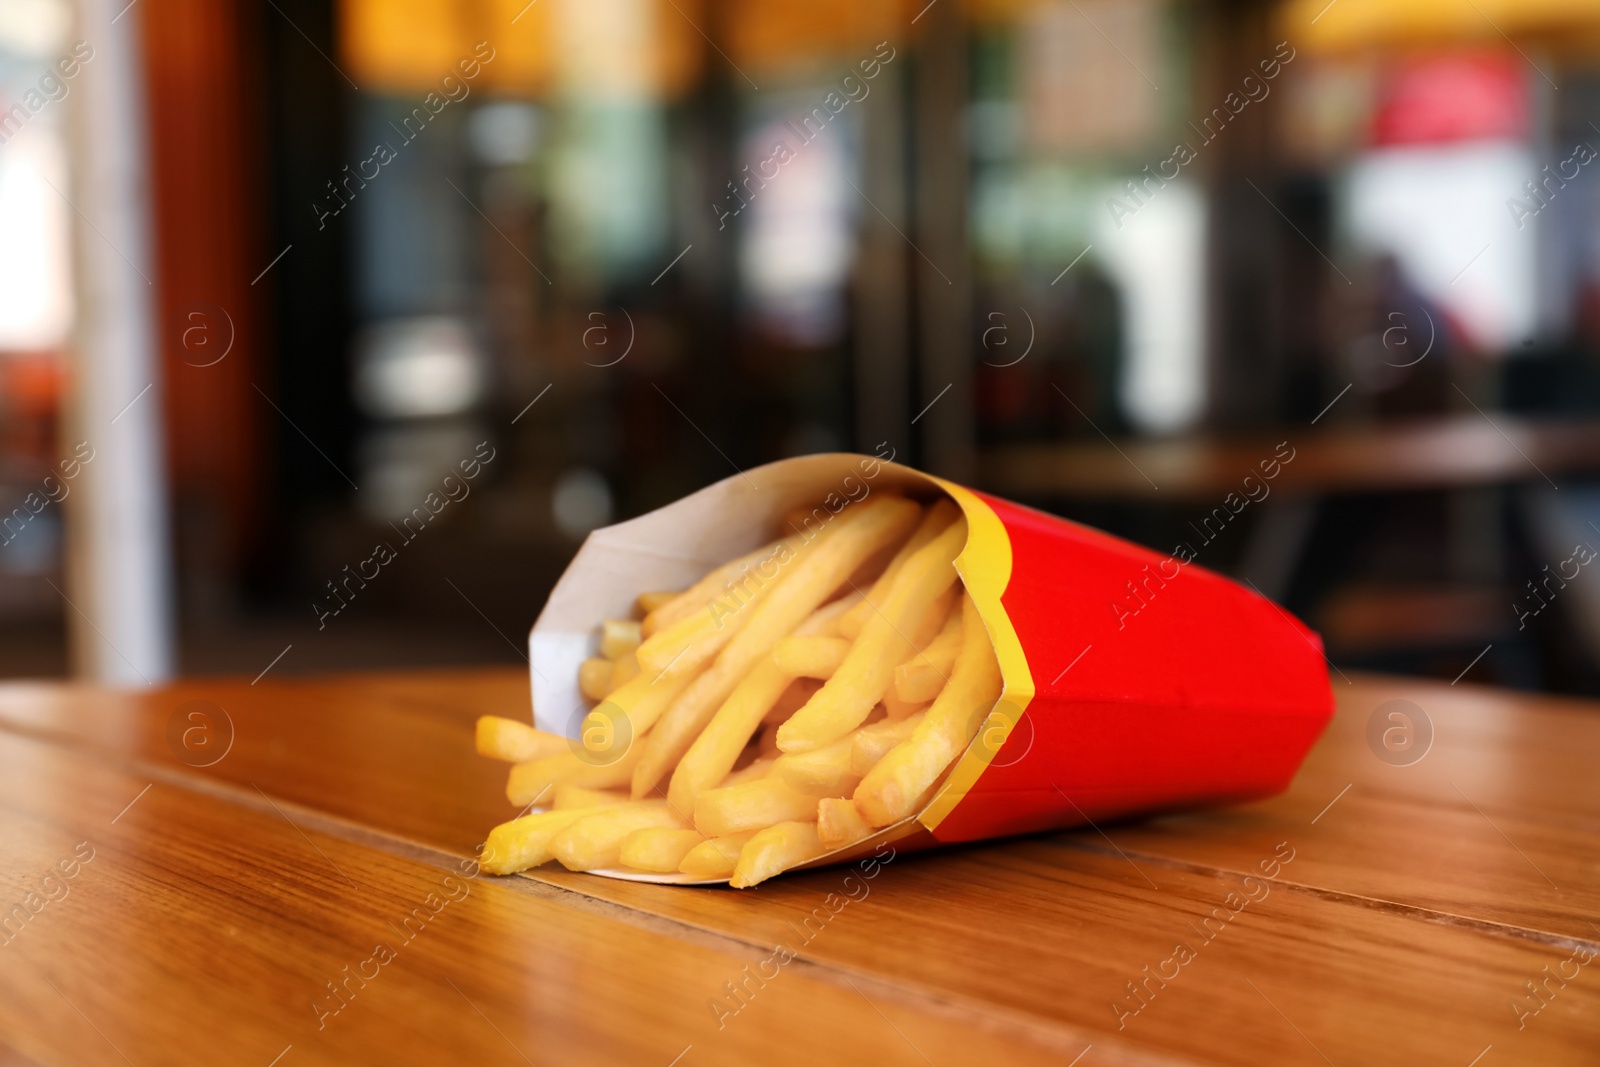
(750,806)
(716,857)
(659,849)
(842,708)
(618,637)
(823,772)
(531,783)
(839,823)
(800,586)
(692,641)
(596,839)
(889,791)
(810,657)
(522,843)
(919,679)
(517,742)
(567,795)
(933,523)
(869,744)
(714,752)
(699,595)
(625,669)
(775,849)
(648,602)
(594,678)
(864,676)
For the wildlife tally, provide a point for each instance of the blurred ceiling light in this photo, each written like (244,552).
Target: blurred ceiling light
(35,272)
(1157,259)
(581,501)
(778,37)
(504,134)
(34,27)
(417,368)
(406,46)
(1318,25)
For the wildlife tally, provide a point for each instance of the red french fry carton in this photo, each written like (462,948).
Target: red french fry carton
(1134,681)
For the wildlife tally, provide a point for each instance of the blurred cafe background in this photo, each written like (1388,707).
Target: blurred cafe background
(329,328)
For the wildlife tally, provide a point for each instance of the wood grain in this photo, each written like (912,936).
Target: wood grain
(203,931)
(1414,910)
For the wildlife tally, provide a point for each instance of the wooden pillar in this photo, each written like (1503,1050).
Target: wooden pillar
(205,145)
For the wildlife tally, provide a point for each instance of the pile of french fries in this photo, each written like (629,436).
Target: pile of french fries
(792,702)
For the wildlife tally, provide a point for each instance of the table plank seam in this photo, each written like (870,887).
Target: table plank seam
(991,1016)
(350,830)
(337,826)
(1489,927)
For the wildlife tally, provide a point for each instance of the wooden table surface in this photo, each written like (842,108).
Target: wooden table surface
(209,909)
(1440,453)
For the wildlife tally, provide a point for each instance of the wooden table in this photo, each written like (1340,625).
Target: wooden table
(220,902)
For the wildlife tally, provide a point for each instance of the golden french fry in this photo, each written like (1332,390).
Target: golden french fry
(793,699)
(659,848)
(686,645)
(839,823)
(934,521)
(845,700)
(919,679)
(522,843)
(767,742)
(624,669)
(713,753)
(508,739)
(750,806)
(822,772)
(758,768)
(567,796)
(628,712)
(699,595)
(531,783)
(775,849)
(810,657)
(691,642)
(595,840)
(872,742)
(715,857)
(806,581)
(891,789)
(646,603)
(794,518)
(926,635)
(594,678)
(618,637)
(895,708)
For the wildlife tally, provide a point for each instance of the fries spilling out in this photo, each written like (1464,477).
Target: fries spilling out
(791,703)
